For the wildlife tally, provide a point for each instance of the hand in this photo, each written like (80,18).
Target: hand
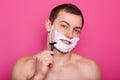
(43,62)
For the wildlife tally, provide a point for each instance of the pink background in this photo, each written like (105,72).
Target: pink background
(22,32)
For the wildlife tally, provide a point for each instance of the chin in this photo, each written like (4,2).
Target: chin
(62,51)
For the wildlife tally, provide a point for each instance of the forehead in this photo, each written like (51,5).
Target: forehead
(72,19)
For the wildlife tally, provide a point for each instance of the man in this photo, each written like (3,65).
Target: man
(66,21)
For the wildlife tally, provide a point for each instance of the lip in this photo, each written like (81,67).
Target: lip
(66,42)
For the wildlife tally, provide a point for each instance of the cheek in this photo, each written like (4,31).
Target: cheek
(76,35)
(60,30)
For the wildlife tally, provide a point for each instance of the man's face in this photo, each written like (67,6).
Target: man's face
(68,24)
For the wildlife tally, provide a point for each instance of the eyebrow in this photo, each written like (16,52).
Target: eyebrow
(77,27)
(69,25)
(66,22)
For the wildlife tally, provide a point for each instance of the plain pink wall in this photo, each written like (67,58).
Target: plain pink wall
(22,32)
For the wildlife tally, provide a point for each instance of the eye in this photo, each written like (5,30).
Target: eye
(63,26)
(77,31)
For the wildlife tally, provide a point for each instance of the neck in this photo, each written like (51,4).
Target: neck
(61,58)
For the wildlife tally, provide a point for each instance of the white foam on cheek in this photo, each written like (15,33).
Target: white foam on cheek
(60,36)
(62,46)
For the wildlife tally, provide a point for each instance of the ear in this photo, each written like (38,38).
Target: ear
(48,25)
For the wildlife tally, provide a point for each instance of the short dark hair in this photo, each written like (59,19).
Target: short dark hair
(70,8)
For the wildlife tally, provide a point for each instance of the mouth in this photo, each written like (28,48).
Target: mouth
(66,42)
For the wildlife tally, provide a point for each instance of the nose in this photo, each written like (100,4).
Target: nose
(69,34)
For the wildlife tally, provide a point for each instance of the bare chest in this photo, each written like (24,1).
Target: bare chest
(63,74)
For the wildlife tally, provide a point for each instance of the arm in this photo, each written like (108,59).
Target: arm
(32,68)
(43,61)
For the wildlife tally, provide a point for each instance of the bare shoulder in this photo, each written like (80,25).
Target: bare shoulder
(23,68)
(88,67)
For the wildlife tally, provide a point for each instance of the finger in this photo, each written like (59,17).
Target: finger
(46,52)
(48,59)
(41,58)
(45,58)
(49,62)
(47,55)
